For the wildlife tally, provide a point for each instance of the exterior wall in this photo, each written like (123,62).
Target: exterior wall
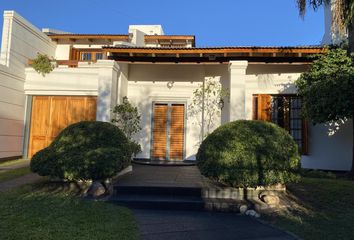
(326,151)
(62,52)
(63,81)
(20,42)
(148,83)
(122,86)
(12,101)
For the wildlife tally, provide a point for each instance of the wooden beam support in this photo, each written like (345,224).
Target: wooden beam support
(202,51)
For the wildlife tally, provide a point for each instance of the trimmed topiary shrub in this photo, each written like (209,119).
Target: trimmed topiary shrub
(85,151)
(249,154)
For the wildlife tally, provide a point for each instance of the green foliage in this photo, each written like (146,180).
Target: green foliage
(327,88)
(42,64)
(127,118)
(213,94)
(85,150)
(249,154)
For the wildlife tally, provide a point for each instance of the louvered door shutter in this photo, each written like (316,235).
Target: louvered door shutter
(177,132)
(160,131)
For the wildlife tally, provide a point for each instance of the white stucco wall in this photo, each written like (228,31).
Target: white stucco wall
(148,83)
(12,101)
(326,151)
(63,81)
(20,42)
(330,151)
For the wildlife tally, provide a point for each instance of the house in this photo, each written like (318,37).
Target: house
(158,73)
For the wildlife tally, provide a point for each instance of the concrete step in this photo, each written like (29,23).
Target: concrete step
(158,191)
(168,202)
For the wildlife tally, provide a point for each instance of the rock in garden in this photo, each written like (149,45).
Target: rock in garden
(96,189)
(270,199)
(243,208)
(252,213)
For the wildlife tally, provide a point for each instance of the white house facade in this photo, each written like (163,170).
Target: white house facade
(158,73)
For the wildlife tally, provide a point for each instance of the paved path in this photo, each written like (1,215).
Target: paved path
(183,225)
(162,176)
(17,182)
(21,164)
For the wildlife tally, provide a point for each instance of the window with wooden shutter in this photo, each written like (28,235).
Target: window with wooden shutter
(283,110)
(262,107)
(86,54)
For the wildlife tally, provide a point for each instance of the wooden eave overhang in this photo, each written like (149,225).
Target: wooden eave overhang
(170,39)
(213,55)
(89,37)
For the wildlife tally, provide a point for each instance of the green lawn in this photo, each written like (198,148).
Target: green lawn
(38,212)
(325,209)
(14,173)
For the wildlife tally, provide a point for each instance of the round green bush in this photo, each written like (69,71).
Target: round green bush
(84,151)
(249,154)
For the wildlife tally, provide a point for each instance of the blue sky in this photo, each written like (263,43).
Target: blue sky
(214,23)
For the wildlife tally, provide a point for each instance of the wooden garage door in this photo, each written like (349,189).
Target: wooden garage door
(168,131)
(51,114)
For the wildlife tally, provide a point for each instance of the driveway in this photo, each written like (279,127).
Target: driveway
(175,225)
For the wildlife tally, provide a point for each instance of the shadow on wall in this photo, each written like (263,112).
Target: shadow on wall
(213,115)
(144,136)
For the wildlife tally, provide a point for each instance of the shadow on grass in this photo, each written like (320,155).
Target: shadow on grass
(48,210)
(318,209)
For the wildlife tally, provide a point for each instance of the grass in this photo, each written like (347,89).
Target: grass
(40,212)
(14,173)
(322,209)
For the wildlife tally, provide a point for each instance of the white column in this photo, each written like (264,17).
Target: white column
(107,90)
(237,71)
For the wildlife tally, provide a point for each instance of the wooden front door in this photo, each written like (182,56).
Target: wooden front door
(51,114)
(168,131)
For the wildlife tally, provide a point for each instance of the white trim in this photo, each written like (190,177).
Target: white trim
(63,92)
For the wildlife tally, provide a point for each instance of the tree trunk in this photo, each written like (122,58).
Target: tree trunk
(351,36)
(351,50)
(352,169)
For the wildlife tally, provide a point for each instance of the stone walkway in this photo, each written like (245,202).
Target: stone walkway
(21,164)
(184,225)
(162,176)
(17,182)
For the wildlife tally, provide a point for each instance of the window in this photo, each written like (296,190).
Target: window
(99,56)
(86,56)
(283,110)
